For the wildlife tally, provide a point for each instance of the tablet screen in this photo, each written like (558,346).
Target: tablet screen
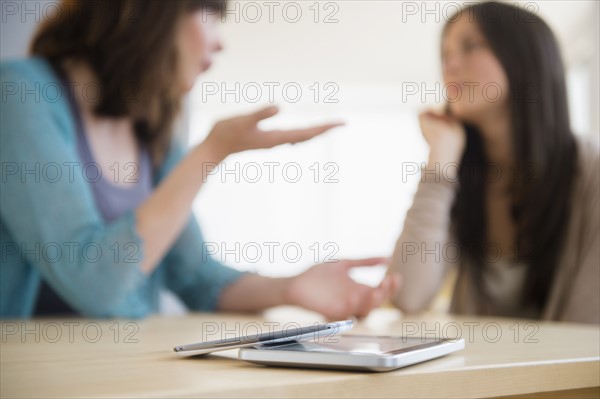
(362,344)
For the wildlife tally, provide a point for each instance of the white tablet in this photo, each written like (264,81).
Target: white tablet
(353,352)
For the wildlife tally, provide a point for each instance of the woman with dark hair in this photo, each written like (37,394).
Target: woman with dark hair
(96,101)
(509,195)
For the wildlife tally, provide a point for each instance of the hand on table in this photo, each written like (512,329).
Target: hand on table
(327,288)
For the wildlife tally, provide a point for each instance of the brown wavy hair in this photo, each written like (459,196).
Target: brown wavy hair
(545,150)
(130,45)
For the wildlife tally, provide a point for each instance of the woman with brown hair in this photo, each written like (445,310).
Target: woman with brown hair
(99,93)
(509,196)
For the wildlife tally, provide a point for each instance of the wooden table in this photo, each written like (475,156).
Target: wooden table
(120,358)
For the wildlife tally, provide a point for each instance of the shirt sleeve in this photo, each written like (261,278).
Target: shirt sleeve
(418,255)
(191,273)
(582,300)
(49,211)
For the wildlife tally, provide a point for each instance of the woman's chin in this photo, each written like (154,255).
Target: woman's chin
(466,113)
(189,84)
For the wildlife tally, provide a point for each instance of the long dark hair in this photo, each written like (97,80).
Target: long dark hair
(130,45)
(544,145)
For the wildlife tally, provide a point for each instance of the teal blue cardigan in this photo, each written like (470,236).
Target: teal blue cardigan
(51,228)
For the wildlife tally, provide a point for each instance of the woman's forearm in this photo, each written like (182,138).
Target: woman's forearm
(163,215)
(161,218)
(254,293)
(419,256)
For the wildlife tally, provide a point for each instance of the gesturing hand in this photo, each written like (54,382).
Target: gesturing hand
(242,133)
(328,289)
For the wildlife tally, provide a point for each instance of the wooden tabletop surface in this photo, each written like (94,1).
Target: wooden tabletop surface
(121,358)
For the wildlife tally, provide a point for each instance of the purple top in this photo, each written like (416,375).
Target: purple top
(114,200)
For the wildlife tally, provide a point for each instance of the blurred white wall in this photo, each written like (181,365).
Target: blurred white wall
(18,20)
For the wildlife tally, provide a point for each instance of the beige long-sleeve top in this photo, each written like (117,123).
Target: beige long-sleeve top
(426,251)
